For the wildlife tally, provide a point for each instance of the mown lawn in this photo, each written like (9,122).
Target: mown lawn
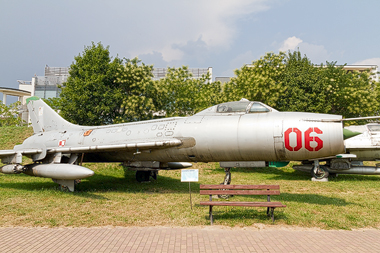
(113,197)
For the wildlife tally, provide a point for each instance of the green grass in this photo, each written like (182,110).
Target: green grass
(113,197)
(10,136)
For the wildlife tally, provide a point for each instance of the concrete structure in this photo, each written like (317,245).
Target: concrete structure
(373,69)
(21,94)
(21,97)
(159,73)
(46,86)
(222,79)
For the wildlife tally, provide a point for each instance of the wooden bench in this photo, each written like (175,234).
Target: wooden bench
(241,190)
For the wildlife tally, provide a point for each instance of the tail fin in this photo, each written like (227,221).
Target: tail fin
(44,118)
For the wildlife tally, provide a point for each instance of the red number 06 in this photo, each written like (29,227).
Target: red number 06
(308,139)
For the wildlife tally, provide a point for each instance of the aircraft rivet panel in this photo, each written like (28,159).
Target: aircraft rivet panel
(170,126)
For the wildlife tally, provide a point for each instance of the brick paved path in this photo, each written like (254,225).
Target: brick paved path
(165,239)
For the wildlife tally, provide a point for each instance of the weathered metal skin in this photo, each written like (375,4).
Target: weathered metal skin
(234,131)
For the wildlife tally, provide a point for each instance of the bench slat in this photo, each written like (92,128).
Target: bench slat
(239,187)
(238,192)
(250,204)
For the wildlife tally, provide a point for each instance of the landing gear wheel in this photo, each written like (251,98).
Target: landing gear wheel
(142,176)
(320,173)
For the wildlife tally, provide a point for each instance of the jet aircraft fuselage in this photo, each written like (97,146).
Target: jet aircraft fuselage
(233,131)
(207,136)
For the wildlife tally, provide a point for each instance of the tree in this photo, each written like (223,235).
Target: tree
(179,94)
(260,81)
(350,94)
(304,85)
(91,95)
(291,82)
(54,103)
(9,115)
(137,90)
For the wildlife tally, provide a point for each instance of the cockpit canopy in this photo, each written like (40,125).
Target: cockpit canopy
(239,107)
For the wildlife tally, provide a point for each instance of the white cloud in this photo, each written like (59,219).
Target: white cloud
(316,53)
(290,43)
(180,22)
(242,59)
(372,61)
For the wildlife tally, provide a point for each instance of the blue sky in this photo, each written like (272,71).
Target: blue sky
(220,34)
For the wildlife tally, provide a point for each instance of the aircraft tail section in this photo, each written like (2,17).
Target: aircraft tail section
(44,118)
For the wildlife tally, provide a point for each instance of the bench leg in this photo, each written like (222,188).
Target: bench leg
(272,213)
(210,212)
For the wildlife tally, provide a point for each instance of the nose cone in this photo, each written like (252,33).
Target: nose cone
(349,134)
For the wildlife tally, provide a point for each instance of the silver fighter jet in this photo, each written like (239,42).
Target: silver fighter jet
(242,133)
(363,147)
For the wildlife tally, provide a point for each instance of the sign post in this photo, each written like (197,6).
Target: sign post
(189,176)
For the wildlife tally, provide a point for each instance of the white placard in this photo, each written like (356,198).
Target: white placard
(189,175)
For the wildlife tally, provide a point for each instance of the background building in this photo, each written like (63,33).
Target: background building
(159,73)
(47,86)
(21,97)
(372,68)
(222,79)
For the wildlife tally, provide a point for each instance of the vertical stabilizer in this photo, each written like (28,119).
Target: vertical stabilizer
(44,118)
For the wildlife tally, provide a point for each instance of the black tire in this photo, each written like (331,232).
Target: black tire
(323,172)
(142,176)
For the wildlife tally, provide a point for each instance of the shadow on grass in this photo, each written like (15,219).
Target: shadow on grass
(29,185)
(244,215)
(239,214)
(285,198)
(272,173)
(106,183)
(291,174)
(169,184)
(163,184)
(347,177)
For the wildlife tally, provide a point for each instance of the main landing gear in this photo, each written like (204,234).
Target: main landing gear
(319,172)
(145,175)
